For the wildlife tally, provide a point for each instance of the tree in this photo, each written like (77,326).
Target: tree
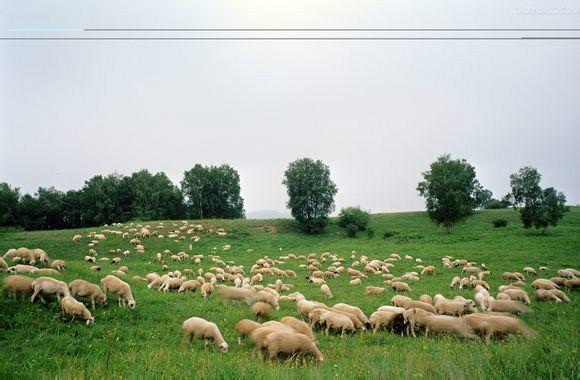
(155,197)
(482,196)
(539,208)
(9,198)
(353,219)
(106,199)
(449,189)
(497,203)
(311,193)
(212,192)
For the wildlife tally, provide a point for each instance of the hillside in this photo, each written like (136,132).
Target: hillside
(35,340)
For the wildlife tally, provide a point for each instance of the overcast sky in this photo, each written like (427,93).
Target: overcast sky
(377,112)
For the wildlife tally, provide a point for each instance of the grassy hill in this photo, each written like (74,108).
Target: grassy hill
(36,341)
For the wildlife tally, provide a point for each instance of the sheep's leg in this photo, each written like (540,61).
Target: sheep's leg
(119,301)
(36,291)
(240,340)
(93,302)
(327,329)
(427,332)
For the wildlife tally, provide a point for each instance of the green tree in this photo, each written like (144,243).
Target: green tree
(354,219)
(154,197)
(212,192)
(482,196)
(106,199)
(9,198)
(539,208)
(311,193)
(449,189)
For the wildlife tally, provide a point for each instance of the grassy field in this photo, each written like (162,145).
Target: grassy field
(36,341)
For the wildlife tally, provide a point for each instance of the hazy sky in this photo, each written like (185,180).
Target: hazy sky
(377,112)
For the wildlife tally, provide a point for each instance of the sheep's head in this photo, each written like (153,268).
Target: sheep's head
(90,321)
(320,357)
(224,347)
(132,304)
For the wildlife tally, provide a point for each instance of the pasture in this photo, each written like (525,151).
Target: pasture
(36,341)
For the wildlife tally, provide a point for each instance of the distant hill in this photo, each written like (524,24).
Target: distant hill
(267,214)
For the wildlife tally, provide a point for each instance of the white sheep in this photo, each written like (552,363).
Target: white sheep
(18,284)
(290,343)
(48,285)
(57,264)
(337,321)
(82,288)
(199,328)
(326,291)
(120,288)
(72,307)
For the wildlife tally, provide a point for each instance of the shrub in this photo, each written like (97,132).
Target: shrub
(389,234)
(499,223)
(351,230)
(354,215)
(370,232)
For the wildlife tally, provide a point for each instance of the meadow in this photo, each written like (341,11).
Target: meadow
(36,341)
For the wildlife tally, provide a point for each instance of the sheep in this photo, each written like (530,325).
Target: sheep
(95,268)
(82,288)
(199,328)
(77,238)
(455,282)
(57,264)
(560,294)
(426,298)
(558,280)
(356,281)
(22,268)
(471,270)
(542,283)
(259,335)
(383,319)
(492,324)
(510,276)
(455,308)
(428,270)
(336,321)
(546,295)
(268,297)
(415,318)
(357,312)
(190,285)
(157,281)
(120,288)
(518,295)
(374,290)
(482,300)
(399,286)
(3,264)
(565,273)
(245,327)
(299,326)
(170,283)
(206,289)
(48,285)
(530,271)
(90,259)
(325,290)
(572,284)
(503,296)
(72,307)
(464,282)
(514,307)
(262,309)
(448,324)
(481,283)
(289,343)
(304,306)
(420,305)
(400,301)
(399,310)
(18,284)
(123,269)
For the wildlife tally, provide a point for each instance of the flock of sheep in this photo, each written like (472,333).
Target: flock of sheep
(484,315)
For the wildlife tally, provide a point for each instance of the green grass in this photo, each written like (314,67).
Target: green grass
(35,341)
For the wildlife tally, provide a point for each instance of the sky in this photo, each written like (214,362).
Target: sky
(378,112)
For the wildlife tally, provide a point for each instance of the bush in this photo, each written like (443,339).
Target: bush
(370,233)
(355,216)
(499,223)
(351,230)
(389,234)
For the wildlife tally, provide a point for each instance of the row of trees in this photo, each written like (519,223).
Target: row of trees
(206,192)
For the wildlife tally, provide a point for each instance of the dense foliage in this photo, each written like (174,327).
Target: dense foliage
(353,219)
(451,191)
(539,208)
(311,193)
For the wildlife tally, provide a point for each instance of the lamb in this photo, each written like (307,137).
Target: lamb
(492,324)
(325,290)
(18,284)
(72,307)
(518,295)
(289,343)
(514,307)
(120,288)
(299,326)
(245,327)
(82,288)
(190,285)
(357,312)
(400,301)
(547,295)
(262,309)
(57,264)
(447,324)
(199,328)
(48,285)
(542,283)
(455,308)
(374,290)
(399,286)
(336,321)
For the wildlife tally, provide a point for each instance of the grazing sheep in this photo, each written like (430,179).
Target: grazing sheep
(190,285)
(572,284)
(530,271)
(383,319)
(399,286)
(290,343)
(415,318)
(448,325)
(356,281)
(560,294)
(428,270)
(72,307)
(259,335)
(455,282)
(199,328)
(245,327)
(558,280)
(170,283)
(464,282)
(3,265)
(566,273)
(482,300)
(325,290)
(262,309)
(77,238)
(481,283)
(420,305)
(95,268)
(493,324)
(395,309)
(547,295)
(374,290)
(337,322)
(206,289)
(514,307)
(426,298)
(503,296)
(18,284)
(400,301)
(510,276)
(356,311)
(299,326)
(518,295)
(438,298)
(57,264)
(120,288)
(48,285)
(542,283)
(304,306)
(22,268)
(455,308)
(82,288)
